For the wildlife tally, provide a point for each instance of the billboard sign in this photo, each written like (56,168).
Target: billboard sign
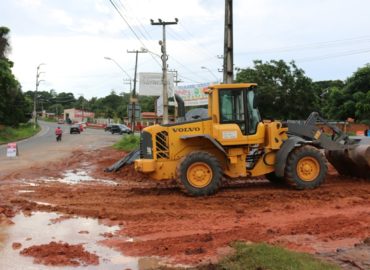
(193,95)
(150,84)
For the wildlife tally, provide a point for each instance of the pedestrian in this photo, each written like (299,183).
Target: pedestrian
(58,134)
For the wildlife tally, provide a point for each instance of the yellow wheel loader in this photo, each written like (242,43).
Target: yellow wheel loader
(232,142)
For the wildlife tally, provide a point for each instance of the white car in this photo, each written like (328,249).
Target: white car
(82,123)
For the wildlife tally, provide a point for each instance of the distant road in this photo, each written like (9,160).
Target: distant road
(43,146)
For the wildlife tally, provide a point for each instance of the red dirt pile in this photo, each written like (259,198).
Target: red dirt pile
(164,222)
(61,254)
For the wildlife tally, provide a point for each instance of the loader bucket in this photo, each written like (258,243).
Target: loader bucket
(354,161)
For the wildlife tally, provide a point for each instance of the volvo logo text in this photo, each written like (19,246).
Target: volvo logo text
(189,129)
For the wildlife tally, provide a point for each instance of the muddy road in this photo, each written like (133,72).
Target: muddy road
(43,148)
(130,218)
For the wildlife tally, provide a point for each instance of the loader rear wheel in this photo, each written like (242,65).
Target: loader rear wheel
(199,174)
(306,168)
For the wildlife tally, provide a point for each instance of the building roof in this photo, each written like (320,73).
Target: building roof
(148,115)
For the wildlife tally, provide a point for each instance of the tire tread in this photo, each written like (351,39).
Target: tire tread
(194,157)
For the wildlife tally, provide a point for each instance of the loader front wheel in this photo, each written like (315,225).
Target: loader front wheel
(305,168)
(199,174)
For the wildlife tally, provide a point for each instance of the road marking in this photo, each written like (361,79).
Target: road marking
(43,131)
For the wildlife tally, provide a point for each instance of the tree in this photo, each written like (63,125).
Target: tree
(147,103)
(4,42)
(67,100)
(351,99)
(330,97)
(332,100)
(12,102)
(57,109)
(283,89)
(356,91)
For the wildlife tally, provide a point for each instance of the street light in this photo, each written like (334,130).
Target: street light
(35,96)
(121,68)
(210,71)
(118,65)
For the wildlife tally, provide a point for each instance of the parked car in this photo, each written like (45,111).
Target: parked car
(75,129)
(108,127)
(82,125)
(120,129)
(60,121)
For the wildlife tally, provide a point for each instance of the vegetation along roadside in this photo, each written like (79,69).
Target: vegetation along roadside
(11,134)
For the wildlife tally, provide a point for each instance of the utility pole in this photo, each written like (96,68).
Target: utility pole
(38,72)
(228,68)
(133,99)
(164,58)
(176,80)
(82,105)
(128,81)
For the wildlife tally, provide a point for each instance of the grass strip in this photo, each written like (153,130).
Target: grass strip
(263,257)
(23,131)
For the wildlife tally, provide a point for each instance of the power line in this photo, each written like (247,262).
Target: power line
(188,79)
(129,26)
(137,19)
(132,30)
(316,45)
(328,56)
(199,45)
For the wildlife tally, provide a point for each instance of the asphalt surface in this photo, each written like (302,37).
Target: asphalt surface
(44,147)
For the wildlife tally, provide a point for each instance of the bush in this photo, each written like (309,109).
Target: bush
(128,143)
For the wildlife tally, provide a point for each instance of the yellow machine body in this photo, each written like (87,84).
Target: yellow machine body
(164,146)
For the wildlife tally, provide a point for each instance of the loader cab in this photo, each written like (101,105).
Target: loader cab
(237,105)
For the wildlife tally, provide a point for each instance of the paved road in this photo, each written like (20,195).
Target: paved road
(43,146)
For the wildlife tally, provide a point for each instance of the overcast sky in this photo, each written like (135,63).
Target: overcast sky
(329,39)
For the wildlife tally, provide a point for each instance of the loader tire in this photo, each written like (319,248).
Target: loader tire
(199,174)
(306,168)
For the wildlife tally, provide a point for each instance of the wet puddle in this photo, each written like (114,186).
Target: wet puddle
(39,229)
(73,177)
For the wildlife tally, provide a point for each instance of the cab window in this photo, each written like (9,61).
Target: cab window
(232,108)
(236,106)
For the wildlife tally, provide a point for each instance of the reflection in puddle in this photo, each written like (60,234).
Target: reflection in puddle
(38,229)
(43,203)
(25,191)
(76,177)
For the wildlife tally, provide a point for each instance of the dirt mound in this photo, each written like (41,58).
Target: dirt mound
(61,254)
(162,221)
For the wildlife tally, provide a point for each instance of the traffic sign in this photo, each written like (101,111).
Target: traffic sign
(12,150)
(137,109)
